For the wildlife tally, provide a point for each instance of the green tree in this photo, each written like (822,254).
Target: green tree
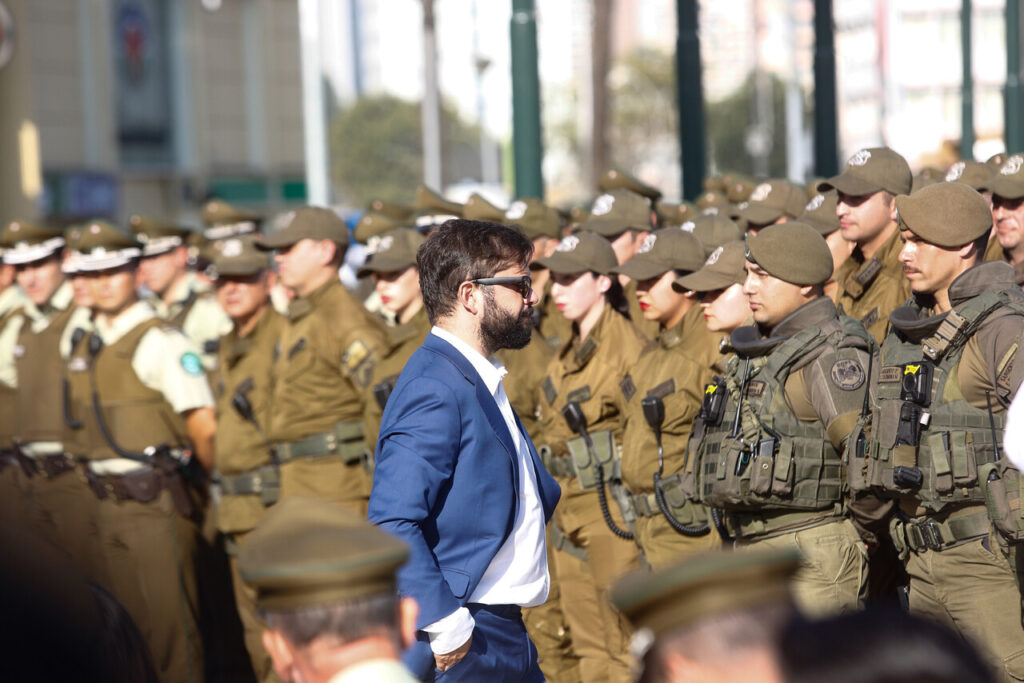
(644,106)
(728,121)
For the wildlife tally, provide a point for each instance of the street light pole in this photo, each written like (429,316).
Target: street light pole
(526,131)
(430,117)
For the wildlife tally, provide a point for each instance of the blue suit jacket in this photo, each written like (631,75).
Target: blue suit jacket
(446,482)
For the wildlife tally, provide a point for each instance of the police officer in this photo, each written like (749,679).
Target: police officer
(580,424)
(668,379)
(770,457)
(773,201)
(33,340)
(871,282)
(392,265)
(144,411)
(179,297)
(323,364)
(325,579)
(948,369)
(248,475)
(820,214)
(1007,189)
(624,219)
(713,231)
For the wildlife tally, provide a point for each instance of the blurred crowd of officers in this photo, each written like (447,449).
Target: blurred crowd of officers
(824,370)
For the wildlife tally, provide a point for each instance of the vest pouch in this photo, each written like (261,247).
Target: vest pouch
(782,475)
(763,465)
(142,485)
(857,460)
(1003,500)
(732,480)
(585,467)
(942,473)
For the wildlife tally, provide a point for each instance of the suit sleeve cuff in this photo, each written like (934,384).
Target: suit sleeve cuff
(451,632)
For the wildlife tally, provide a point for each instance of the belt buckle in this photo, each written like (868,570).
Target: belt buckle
(931,533)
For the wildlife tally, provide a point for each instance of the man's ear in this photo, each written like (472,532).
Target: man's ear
(894,215)
(326,250)
(408,612)
(468,297)
(281,653)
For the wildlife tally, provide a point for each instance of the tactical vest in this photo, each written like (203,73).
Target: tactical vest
(927,441)
(39,402)
(773,461)
(136,416)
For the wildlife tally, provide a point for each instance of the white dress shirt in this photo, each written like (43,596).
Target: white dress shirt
(518,572)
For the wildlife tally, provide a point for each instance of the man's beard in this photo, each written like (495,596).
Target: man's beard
(502,330)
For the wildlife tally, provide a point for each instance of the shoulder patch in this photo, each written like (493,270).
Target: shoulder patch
(355,354)
(1004,371)
(191,363)
(847,374)
(628,387)
(548,387)
(664,389)
(871,318)
(868,272)
(579,395)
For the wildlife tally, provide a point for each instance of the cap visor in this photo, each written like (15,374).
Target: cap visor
(703,281)
(384,265)
(1004,187)
(823,227)
(848,185)
(761,215)
(239,269)
(278,240)
(561,263)
(605,227)
(640,268)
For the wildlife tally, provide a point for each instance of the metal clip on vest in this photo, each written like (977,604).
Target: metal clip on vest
(654,413)
(577,422)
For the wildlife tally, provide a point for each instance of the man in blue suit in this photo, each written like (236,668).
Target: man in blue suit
(457,477)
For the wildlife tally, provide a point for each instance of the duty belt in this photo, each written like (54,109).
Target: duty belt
(562,542)
(745,525)
(645,505)
(345,440)
(926,533)
(49,465)
(264,482)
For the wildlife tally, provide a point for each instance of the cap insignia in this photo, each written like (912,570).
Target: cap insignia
(516,211)
(688,226)
(860,158)
(761,192)
(955,171)
(714,256)
(602,205)
(568,243)
(648,244)
(815,202)
(1012,165)
(231,248)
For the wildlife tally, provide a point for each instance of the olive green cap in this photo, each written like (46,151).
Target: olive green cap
(672,214)
(102,246)
(664,250)
(811,189)
(820,213)
(1009,182)
(374,224)
(536,218)
(307,552)
(724,267)
(239,256)
(309,222)
(871,170)
(945,214)
(997,160)
(617,211)
(579,253)
(157,237)
(739,189)
(617,179)
(771,200)
(710,198)
(714,183)
(223,220)
(703,586)
(431,209)
(392,251)
(714,230)
(793,252)
(23,242)
(394,211)
(477,208)
(971,173)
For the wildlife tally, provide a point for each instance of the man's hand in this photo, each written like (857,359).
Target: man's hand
(450,659)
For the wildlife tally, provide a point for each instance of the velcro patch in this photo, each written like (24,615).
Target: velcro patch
(296,347)
(628,387)
(871,318)
(1004,371)
(579,395)
(662,390)
(847,374)
(755,388)
(891,373)
(548,387)
(866,275)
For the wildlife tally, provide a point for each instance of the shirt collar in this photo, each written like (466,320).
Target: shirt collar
(490,370)
(111,331)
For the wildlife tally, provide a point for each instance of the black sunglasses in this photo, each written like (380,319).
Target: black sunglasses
(523,283)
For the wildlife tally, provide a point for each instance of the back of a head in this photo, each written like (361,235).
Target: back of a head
(878,646)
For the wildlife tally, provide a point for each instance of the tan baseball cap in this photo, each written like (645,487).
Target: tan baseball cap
(945,214)
(432,209)
(394,250)
(971,173)
(672,214)
(393,210)
(372,224)
(772,200)
(477,208)
(535,218)
(579,253)
(1009,182)
(103,246)
(239,257)
(617,211)
(793,251)
(871,170)
(820,213)
(223,220)
(158,237)
(723,268)
(310,222)
(714,230)
(617,179)
(664,250)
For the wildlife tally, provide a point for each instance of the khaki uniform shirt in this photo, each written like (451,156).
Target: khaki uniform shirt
(526,370)
(675,368)
(204,323)
(402,341)
(995,252)
(869,290)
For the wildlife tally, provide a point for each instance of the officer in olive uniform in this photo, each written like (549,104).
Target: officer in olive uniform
(143,412)
(617,179)
(713,231)
(392,265)
(624,219)
(430,209)
(770,456)
(948,369)
(773,201)
(1007,190)
(586,375)
(179,297)
(323,365)
(11,296)
(691,613)
(33,340)
(247,472)
(314,560)
(660,397)
(871,282)
(820,214)
(222,221)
